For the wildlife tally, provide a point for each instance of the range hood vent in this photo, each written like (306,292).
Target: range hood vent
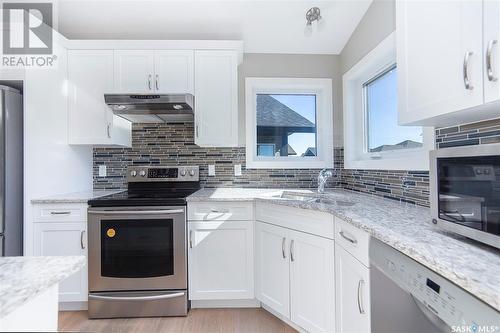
(149,108)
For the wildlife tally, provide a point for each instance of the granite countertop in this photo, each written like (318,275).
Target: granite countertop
(405,227)
(75,197)
(22,278)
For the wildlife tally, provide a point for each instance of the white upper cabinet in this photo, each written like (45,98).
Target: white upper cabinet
(134,71)
(90,120)
(174,71)
(154,71)
(312,295)
(439,58)
(491,44)
(216,98)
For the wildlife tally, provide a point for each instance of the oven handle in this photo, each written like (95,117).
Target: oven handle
(136,298)
(136,212)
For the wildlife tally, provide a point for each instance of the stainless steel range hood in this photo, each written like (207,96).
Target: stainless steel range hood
(149,108)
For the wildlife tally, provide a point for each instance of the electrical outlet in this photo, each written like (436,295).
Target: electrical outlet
(103,171)
(211,170)
(237,169)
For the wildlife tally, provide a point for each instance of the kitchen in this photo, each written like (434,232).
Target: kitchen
(328,166)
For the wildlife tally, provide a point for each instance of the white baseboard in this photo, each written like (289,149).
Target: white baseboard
(233,303)
(73,306)
(282,318)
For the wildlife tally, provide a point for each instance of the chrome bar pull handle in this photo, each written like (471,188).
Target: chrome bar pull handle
(149,82)
(349,239)
(82,245)
(489,67)
(108,130)
(361,308)
(157,79)
(190,239)
(467,83)
(292,243)
(60,213)
(283,241)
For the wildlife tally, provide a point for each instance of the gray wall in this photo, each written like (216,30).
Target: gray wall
(292,66)
(377,23)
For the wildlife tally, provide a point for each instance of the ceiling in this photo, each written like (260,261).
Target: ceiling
(264,26)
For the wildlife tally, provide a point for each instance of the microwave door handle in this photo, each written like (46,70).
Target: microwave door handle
(136,212)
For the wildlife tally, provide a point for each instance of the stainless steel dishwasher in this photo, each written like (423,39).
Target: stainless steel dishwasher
(407,297)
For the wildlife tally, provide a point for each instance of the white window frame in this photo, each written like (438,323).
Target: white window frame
(356,155)
(322,88)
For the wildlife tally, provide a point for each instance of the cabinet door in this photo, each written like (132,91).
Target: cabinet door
(174,71)
(312,295)
(352,296)
(433,44)
(64,239)
(492,50)
(272,267)
(90,75)
(220,260)
(216,102)
(134,71)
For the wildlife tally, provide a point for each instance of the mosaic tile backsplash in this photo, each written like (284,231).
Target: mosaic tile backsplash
(173,144)
(483,132)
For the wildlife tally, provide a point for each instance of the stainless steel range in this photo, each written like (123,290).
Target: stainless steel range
(137,245)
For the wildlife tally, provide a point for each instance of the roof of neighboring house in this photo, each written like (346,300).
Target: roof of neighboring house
(311,151)
(289,149)
(402,145)
(273,113)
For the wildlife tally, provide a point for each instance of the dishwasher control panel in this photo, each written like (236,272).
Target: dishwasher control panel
(453,305)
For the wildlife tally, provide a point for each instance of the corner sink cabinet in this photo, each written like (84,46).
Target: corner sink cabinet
(308,268)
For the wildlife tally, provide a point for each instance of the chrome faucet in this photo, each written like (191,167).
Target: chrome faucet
(322,178)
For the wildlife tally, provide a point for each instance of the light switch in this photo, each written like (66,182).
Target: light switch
(237,169)
(211,170)
(102,171)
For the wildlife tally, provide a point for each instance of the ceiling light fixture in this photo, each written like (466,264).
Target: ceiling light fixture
(312,15)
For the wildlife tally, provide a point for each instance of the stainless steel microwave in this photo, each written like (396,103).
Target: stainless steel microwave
(465,191)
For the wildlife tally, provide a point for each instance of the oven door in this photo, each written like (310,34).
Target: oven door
(137,248)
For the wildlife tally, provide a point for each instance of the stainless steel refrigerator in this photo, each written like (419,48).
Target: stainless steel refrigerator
(11,172)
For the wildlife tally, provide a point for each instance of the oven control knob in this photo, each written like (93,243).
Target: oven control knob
(191,173)
(133,173)
(142,173)
(183,172)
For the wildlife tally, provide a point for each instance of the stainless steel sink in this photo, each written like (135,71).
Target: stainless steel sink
(313,199)
(332,202)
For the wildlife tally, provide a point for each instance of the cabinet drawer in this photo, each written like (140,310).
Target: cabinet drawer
(60,213)
(220,211)
(309,221)
(353,240)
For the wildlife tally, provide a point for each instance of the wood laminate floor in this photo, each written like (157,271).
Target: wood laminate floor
(198,320)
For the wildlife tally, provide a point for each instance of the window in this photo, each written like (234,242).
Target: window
(373,139)
(382,131)
(289,123)
(286,123)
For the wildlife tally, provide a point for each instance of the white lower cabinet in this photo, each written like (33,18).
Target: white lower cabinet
(220,259)
(352,293)
(312,295)
(272,273)
(64,239)
(295,276)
